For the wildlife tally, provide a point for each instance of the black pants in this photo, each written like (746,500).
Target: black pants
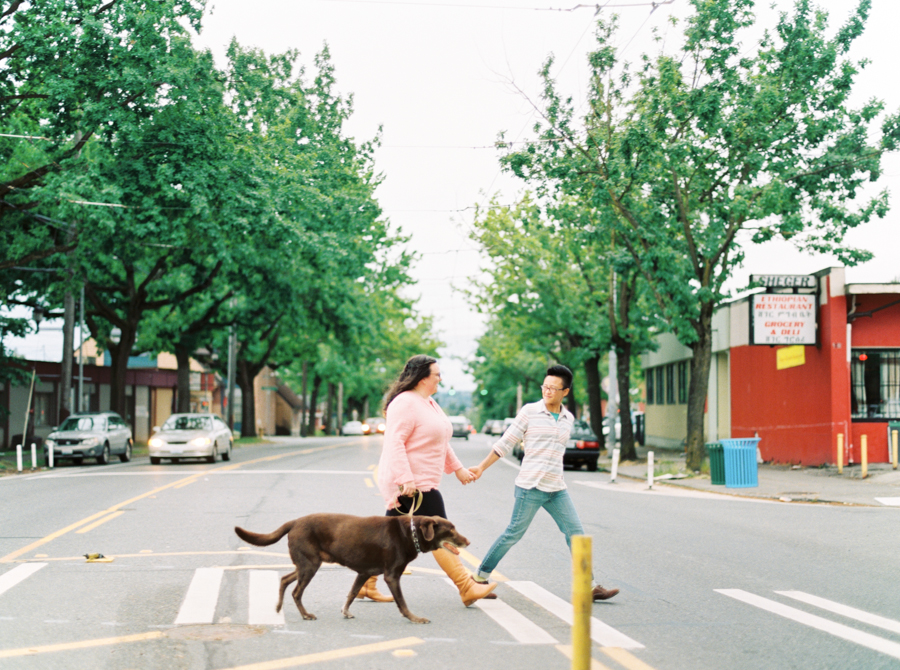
(432,505)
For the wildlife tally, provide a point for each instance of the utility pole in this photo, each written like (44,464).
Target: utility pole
(68,352)
(231,357)
(80,403)
(340,407)
(612,393)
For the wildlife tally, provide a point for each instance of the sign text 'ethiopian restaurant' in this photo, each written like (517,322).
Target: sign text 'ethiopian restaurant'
(783,318)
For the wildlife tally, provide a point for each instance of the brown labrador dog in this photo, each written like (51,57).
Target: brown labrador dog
(370,545)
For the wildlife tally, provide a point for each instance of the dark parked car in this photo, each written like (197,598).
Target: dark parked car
(583,448)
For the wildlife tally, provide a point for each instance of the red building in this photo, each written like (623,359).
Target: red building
(838,377)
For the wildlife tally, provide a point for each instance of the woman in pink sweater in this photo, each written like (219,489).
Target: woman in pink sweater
(415,456)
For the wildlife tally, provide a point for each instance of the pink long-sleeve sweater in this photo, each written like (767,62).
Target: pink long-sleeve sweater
(416,446)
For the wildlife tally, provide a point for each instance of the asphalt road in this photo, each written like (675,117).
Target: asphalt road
(706,581)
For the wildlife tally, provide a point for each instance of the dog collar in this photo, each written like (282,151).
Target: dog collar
(412,529)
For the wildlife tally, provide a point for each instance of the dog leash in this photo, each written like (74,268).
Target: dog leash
(412,527)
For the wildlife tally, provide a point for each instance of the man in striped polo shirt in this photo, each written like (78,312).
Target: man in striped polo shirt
(544,427)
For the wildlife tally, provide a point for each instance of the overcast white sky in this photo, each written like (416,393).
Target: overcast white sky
(438,76)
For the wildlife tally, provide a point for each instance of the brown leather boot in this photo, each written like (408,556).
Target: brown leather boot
(599,593)
(469,589)
(370,591)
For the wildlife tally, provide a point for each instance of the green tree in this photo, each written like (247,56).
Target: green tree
(719,138)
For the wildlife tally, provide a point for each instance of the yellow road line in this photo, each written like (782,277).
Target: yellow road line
(112,516)
(566,650)
(475,561)
(184,482)
(625,659)
(180,482)
(369,482)
(84,644)
(333,655)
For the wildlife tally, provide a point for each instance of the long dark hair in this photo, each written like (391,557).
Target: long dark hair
(415,370)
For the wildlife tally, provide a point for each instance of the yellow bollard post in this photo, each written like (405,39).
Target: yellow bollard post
(840,454)
(581,602)
(894,448)
(864,456)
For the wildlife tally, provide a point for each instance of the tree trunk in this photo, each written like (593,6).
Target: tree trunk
(303,404)
(699,385)
(329,411)
(592,376)
(120,353)
(65,390)
(313,400)
(245,376)
(572,403)
(627,451)
(183,395)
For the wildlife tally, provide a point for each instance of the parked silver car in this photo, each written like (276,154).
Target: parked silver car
(99,435)
(191,436)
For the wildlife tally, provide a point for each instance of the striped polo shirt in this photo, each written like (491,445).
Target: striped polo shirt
(545,440)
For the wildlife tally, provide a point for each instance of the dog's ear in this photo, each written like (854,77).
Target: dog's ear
(427,528)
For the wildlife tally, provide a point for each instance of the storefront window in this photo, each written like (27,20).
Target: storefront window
(660,385)
(682,382)
(651,398)
(875,381)
(670,384)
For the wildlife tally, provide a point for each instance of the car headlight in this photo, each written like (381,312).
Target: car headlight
(200,442)
(157,442)
(90,442)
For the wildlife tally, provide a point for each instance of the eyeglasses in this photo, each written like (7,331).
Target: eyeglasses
(550,388)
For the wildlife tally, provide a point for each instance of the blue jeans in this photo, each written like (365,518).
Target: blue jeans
(528,502)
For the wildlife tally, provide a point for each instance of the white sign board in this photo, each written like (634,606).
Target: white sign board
(783,318)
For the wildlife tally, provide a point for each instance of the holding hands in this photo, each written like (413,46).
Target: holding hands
(465,476)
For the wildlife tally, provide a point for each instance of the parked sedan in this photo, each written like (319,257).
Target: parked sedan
(191,436)
(353,428)
(461,426)
(583,447)
(97,435)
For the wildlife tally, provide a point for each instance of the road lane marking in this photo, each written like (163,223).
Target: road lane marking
(601,633)
(673,490)
(185,482)
(264,585)
(844,610)
(566,649)
(514,622)
(332,655)
(625,659)
(836,629)
(18,574)
(890,502)
(149,494)
(199,604)
(202,473)
(84,644)
(248,551)
(91,527)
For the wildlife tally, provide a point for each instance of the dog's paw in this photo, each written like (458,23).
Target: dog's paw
(309,616)
(419,619)
(347,615)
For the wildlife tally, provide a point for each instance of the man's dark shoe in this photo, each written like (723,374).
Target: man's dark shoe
(599,593)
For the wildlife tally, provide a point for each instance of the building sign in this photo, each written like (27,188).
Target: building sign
(790,357)
(783,318)
(784,281)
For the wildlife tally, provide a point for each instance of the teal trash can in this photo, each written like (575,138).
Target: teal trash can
(740,462)
(716,463)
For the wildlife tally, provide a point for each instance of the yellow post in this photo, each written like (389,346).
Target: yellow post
(581,602)
(864,448)
(840,454)
(894,448)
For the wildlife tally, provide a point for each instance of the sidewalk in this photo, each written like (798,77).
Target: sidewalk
(790,484)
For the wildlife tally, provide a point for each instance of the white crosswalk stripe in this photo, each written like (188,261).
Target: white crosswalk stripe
(601,633)
(838,630)
(18,574)
(199,604)
(844,610)
(264,585)
(514,622)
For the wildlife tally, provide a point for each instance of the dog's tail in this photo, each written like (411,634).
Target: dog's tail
(263,540)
